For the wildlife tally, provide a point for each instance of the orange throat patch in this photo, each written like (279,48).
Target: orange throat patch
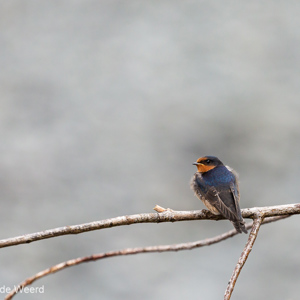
(203,168)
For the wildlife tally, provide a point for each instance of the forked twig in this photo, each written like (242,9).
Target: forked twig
(131,251)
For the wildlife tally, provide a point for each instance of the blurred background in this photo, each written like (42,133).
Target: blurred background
(105,105)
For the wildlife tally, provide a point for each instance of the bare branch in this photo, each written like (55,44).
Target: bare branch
(242,260)
(137,250)
(166,215)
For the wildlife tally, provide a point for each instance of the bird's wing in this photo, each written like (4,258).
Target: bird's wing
(222,201)
(236,196)
(226,201)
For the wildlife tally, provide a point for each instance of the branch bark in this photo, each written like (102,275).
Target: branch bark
(164,216)
(242,260)
(137,250)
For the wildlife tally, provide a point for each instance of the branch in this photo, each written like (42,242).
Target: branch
(165,216)
(242,260)
(131,251)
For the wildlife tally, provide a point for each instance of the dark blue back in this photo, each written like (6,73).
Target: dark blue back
(219,177)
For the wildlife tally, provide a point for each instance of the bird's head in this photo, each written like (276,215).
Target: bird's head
(207,163)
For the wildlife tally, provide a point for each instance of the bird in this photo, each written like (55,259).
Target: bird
(216,185)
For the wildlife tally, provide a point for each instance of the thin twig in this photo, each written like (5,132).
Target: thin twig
(131,251)
(165,216)
(242,260)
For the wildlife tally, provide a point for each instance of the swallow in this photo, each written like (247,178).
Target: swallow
(216,185)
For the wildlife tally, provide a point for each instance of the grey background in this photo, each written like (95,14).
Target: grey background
(104,105)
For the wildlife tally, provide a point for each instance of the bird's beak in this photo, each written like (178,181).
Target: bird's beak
(196,163)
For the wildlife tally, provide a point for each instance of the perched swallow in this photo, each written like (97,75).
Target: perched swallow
(217,187)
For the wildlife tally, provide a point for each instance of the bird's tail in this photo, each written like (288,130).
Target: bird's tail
(239,225)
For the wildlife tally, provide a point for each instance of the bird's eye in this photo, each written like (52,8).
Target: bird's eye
(208,161)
